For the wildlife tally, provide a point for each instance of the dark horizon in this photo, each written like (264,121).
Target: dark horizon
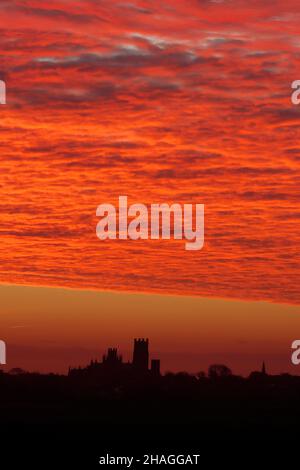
(50,329)
(114,354)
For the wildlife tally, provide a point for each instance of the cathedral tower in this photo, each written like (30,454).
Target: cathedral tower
(141,354)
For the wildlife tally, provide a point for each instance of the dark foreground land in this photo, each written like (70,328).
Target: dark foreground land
(217,416)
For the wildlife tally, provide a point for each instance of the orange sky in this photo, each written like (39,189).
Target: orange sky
(49,329)
(174,101)
(179,102)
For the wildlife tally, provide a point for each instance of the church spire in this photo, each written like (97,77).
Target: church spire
(263,369)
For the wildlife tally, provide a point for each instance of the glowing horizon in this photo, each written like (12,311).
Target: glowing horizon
(50,329)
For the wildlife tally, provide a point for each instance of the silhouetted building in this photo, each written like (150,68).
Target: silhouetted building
(112,364)
(141,354)
(260,376)
(112,357)
(155,367)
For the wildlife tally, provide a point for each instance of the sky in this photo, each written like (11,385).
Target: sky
(162,101)
(50,329)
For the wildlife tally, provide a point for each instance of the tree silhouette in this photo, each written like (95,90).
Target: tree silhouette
(17,371)
(218,370)
(201,375)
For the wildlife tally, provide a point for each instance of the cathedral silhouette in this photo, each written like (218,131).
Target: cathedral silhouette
(112,363)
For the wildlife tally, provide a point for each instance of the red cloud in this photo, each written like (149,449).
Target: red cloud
(173,102)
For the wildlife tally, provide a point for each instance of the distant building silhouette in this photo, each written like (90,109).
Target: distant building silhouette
(155,367)
(112,364)
(260,376)
(112,357)
(141,354)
